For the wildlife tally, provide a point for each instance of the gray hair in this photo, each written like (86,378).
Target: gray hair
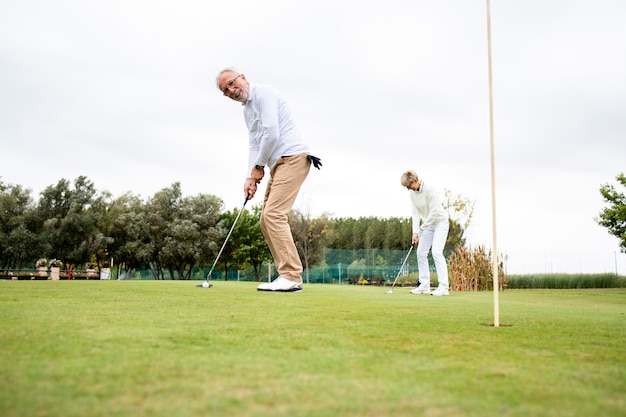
(228,69)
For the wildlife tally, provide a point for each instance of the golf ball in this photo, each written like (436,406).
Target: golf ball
(205,284)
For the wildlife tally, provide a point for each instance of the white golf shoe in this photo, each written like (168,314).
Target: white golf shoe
(439,292)
(421,289)
(281,284)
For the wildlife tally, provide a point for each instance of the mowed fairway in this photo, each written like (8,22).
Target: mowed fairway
(167,348)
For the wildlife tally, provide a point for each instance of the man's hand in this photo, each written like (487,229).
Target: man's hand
(249,188)
(415,238)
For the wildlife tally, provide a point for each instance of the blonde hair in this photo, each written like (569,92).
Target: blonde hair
(408,178)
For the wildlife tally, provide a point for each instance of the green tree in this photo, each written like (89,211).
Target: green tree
(247,246)
(96,246)
(205,211)
(347,233)
(70,223)
(374,233)
(180,229)
(126,222)
(228,258)
(613,217)
(20,243)
(188,235)
(308,234)
(160,213)
(180,248)
(398,232)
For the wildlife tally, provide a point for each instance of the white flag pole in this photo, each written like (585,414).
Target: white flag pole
(494,262)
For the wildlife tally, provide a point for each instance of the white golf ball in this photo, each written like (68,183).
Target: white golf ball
(205,284)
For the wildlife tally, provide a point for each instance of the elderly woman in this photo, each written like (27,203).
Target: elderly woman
(430,231)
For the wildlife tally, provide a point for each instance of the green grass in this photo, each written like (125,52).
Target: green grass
(565,281)
(167,348)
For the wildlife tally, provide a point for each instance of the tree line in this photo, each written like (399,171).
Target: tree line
(173,235)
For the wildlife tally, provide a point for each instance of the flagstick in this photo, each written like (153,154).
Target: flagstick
(494,262)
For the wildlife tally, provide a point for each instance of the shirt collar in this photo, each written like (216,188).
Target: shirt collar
(251,91)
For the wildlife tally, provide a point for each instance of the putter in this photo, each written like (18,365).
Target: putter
(400,271)
(206,283)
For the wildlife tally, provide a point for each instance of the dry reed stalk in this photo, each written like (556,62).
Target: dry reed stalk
(470,269)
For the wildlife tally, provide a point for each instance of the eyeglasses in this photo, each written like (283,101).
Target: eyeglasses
(229,85)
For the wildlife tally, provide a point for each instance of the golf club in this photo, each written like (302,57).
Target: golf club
(400,271)
(206,283)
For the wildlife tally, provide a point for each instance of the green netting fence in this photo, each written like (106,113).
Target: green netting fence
(338,267)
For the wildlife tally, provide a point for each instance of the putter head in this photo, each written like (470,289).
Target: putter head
(205,284)
(389,292)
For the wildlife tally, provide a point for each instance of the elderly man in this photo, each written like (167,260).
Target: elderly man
(275,144)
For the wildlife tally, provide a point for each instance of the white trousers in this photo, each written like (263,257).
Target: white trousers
(433,237)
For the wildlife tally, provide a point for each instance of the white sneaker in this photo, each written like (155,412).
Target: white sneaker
(421,289)
(281,284)
(439,292)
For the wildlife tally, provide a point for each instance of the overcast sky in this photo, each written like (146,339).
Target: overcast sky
(124,93)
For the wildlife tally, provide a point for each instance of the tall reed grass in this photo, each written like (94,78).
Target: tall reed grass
(471,269)
(566,281)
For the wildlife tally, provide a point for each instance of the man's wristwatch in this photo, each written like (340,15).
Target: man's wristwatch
(259,167)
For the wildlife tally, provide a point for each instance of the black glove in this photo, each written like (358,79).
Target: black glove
(317,163)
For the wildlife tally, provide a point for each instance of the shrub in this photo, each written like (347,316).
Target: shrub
(566,281)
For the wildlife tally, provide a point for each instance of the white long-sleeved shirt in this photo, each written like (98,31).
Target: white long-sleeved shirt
(426,208)
(272,130)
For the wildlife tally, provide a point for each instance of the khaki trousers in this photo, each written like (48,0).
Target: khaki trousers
(287,177)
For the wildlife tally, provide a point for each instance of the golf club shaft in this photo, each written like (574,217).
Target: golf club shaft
(402,267)
(226,240)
